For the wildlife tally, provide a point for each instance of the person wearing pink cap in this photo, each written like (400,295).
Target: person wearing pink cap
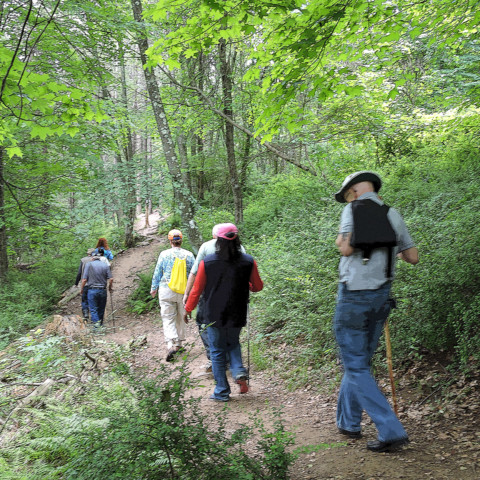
(225,278)
(207,248)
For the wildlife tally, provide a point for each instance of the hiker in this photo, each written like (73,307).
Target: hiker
(225,279)
(170,297)
(81,269)
(206,248)
(107,253)
(363,305)
(96,276)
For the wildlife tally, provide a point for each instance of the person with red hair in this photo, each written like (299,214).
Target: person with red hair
(102,243)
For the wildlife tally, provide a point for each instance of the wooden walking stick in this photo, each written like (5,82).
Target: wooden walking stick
(390,366)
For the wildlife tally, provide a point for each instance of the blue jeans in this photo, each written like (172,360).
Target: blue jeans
(97,301)
(359,319)
(223,341)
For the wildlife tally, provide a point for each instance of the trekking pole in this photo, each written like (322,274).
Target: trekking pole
(248,350)
(390,366)
(113,311)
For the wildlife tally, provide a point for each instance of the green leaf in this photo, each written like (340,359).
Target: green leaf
(392,94)
(11,151)
(172,63)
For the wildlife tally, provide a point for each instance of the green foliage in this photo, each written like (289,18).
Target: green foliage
(140,301)
(291,225)
(29,296)
(313,49)
(439,297)
(291,237)
(208,217)
(148,429)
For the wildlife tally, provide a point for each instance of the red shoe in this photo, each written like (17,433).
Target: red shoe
(242,381)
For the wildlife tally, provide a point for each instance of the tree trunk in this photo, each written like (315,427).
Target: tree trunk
(3,226)
(182,153)
(226,74)
(187,209)
(201,172)
(128,173)
(245,161)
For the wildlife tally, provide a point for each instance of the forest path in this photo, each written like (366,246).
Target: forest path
(442,447)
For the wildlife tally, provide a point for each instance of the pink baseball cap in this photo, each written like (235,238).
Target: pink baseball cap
(227,230)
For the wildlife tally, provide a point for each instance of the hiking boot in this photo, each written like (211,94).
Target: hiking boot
(391,446)
(241,380)
(349,433)
(85,314)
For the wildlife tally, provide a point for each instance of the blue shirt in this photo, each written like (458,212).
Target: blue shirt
(372,275)
(163,269)
(106,253)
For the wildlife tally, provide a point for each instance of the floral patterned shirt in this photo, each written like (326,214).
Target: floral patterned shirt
(164,266)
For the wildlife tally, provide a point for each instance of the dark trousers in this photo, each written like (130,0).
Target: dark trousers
(85,299)
(202,325)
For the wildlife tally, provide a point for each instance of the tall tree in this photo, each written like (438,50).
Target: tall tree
(186,203)
(226,71)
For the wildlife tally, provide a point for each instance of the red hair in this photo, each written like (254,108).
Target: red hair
(102,242)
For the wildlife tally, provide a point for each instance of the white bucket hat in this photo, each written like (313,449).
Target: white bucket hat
(357,177)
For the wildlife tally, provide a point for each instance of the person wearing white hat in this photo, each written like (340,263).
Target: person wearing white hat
(363,305)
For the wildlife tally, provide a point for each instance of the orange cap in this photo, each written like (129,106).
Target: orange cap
(175,234)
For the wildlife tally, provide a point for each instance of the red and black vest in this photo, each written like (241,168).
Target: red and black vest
(226,291)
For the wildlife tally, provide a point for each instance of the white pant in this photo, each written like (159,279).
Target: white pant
(172,310)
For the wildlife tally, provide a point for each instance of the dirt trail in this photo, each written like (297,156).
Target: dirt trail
(445,447)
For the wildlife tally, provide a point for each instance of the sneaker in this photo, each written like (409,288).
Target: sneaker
(171,354)
(218,399)
(242,382)
(208,366)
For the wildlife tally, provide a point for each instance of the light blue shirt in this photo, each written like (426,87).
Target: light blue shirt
(372,275)
(163,269)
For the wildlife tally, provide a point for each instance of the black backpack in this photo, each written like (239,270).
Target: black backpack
(372,229)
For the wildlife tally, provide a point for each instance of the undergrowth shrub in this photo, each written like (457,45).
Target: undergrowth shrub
(28,297)
(140,301)
(439,297)
(291,226)
(147,429)
(291,235)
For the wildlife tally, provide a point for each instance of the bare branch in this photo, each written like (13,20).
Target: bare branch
(214,109)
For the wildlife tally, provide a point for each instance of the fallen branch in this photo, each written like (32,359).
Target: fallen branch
(40,391)
(93,360)
(72,292)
